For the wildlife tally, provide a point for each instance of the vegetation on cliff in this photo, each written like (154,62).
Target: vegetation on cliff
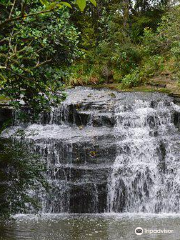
(37,43)
(46,45)
(130,44)
(20,174)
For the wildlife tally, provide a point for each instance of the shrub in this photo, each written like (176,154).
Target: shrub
(20,172)
(33,54)
(132,79)
(152,66)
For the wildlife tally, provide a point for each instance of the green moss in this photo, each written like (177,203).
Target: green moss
(142,88)
(3,98)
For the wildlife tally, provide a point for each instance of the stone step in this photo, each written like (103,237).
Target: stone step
(95,152)
(78,198)
(80,116)
(88,198)
(81,174)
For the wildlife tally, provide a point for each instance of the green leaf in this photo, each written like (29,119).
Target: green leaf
(66,4)
(57,5)
(44,2)
(81,4)
(93,2)
(51,6)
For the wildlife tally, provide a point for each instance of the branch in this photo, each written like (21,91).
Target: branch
(23,5)
(7,21)
(18,74)
(3,40)
(10,15)
(42,63)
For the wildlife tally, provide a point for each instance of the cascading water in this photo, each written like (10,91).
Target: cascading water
(146,173)
(108,152)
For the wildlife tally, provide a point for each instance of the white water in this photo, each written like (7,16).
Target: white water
(96,166)
(146,173)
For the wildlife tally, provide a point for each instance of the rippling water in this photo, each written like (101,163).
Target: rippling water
(90,227)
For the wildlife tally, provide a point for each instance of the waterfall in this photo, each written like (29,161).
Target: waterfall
(108,152)
(145,175)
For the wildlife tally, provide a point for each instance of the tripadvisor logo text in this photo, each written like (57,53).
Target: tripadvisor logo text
(140,231)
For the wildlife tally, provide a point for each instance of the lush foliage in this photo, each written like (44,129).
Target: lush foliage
(19,173)
(52,43)
(56,4)
(131,42)
(33,53)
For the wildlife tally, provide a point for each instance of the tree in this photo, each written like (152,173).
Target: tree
(20,172)
(37,43)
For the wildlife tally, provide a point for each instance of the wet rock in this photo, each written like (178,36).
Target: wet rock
(109,151)
(6,116)
(88,198)
(176,119)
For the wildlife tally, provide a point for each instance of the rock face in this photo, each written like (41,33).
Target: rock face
(6,115)
(108,151)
